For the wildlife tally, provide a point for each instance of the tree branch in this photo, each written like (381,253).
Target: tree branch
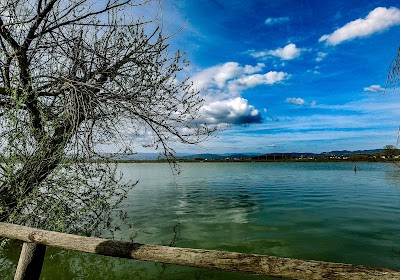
(7,36)
(39,18)
(77,19)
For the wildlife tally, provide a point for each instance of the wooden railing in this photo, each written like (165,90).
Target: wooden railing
(36,240)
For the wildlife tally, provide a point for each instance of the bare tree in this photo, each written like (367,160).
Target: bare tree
(76,75)
(390,150)
(394,71)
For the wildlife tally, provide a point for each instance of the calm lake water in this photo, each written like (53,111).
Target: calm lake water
(319,211)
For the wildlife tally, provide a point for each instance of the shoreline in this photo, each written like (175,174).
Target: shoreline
(178,160)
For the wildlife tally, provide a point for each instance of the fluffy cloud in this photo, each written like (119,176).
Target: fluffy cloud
(222,85)
(231,79)
(251,81)
(300,101)
(231,111)
(248,69)
(217,75)
(288,52)
(258,54)
(377,20)
(220,74)
(294,100)
(273,21)
(374,88)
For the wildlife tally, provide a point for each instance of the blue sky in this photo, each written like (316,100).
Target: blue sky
(291,75)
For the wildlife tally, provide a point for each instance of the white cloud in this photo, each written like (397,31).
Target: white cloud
(320,56)
(313,103)
(248,69)
(231,79)
(374,88)
(377,20)
(251,81)
(294,100)
(258,54)
(278,20)
(231,111)
(222,85)
(218,75)
(227,71)
(289,52)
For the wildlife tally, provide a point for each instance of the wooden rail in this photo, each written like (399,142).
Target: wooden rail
(210,259)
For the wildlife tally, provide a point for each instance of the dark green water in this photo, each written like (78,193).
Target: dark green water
(319,211)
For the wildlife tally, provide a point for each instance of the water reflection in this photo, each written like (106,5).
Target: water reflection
(392,172)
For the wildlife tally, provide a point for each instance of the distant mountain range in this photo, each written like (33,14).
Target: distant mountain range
(154,156)
(293,155)
(359,152)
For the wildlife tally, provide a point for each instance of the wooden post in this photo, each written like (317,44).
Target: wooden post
(30,261)
(221,260)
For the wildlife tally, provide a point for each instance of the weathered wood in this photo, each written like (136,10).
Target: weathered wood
(227,261)
(30,261)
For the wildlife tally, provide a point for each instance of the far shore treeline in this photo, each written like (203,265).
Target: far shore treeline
(377,155)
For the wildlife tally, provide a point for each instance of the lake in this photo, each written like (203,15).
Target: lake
(318,211)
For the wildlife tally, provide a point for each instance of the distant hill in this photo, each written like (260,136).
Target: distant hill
(155,156)
(324,154)
(358,152)
(203,156)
